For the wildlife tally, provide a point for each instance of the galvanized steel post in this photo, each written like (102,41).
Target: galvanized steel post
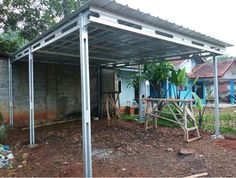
(31,96)
(85,90)
(99,91)
(217,121)
(140,94)
(10,96)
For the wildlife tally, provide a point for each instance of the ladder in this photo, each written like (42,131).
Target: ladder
(189,116)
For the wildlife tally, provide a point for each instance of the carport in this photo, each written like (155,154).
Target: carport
(106,34)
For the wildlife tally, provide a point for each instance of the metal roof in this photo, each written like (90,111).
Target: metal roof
(111,5)
(118,36)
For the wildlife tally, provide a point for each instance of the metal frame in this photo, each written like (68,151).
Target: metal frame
(97,20)
(31,96)
(216,90)
(140,94)
(85,90)
(111,19)
(99,74)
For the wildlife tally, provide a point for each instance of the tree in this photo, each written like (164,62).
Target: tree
(133,82)
(32,17)
(8,46)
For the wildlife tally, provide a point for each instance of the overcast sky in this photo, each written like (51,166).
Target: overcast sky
(215,18)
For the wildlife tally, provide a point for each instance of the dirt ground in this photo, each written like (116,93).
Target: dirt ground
(122,150)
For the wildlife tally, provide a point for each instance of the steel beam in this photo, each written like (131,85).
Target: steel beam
(217,121)
(111,20)
(85,90)
(140,94)
(31,97)
(10,95)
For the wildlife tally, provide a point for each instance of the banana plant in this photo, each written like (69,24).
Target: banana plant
(133,82)
(178,78)
(156,73)
(199,106)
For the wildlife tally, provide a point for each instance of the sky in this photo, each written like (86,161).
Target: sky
(215,18)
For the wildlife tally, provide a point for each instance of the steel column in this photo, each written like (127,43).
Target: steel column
(10,96)
(140,95)
(99,91)
(85,90)
(217,121)
(31,97)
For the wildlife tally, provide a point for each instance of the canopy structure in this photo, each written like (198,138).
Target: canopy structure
(107,34)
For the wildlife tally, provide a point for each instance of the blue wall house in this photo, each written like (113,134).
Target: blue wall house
(195,68)
(226,76)
(188,88)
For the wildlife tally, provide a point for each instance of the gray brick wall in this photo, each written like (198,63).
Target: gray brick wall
(4,87)
(56,87)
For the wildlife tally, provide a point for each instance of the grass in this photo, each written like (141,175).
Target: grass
(209,120)
(127,117)
(160,122)
(227,123)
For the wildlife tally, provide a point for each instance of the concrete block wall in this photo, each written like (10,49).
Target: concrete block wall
(57,91)
(4,88)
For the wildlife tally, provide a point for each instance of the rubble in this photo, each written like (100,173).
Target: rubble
(5,156)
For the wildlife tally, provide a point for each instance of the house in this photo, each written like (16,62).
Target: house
(128,94)
(185,91)
(226,77)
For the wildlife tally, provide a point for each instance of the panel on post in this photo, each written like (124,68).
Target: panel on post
(31,97)
(217,121)
(10,93)
(85,90)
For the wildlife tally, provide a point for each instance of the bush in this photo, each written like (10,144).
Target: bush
(1,119)
(3,129)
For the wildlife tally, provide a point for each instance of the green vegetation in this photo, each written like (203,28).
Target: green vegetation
(160,122)
(227,123)
(28,19)
(3,129)
(127,117)
(156,73)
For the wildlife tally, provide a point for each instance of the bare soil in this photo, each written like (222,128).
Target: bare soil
(121,150)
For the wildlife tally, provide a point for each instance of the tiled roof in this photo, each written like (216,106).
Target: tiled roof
(206,70)
(177,63)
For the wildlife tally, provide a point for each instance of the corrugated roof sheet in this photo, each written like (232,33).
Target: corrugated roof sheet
(206,70)
(111,5)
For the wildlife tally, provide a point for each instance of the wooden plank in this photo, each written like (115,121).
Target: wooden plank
(193,139)
(107,109)
(52,123)
(169,100)
(170,120)
(190,113)
(197,175)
